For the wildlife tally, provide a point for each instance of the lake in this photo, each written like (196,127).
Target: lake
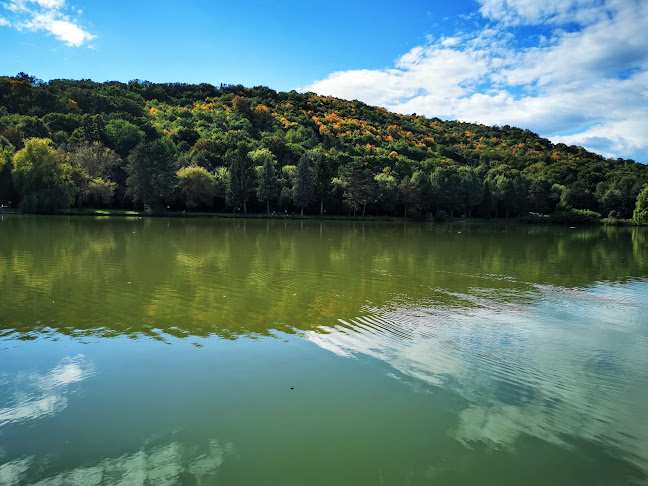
(255,352)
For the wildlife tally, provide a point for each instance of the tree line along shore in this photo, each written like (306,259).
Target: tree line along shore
(179,147)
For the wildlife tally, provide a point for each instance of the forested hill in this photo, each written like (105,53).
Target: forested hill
(79,143)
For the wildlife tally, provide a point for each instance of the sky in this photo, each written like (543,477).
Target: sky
(575,71)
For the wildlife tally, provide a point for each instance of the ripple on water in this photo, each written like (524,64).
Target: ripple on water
(561,365)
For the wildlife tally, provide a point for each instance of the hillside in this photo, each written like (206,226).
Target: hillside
(203,147)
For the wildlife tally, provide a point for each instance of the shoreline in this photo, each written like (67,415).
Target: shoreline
(123,213)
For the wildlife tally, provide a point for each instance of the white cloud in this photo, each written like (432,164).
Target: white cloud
(64,30)
(589,82)
(535,12)
(48,16)
(4,22)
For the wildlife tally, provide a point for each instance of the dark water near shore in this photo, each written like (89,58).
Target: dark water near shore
(196,352)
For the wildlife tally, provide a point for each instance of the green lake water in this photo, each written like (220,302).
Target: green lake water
(243,352)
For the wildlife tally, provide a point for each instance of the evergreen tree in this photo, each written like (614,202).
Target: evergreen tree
(267,182)
(242,178)
(322,176)
(304,186)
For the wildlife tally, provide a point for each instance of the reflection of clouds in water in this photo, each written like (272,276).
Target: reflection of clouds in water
(12,472)
(558,364)
(44,394)
(169,464)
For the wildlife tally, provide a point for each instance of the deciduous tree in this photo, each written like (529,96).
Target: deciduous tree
(41,177)
(151,172)
(640,215)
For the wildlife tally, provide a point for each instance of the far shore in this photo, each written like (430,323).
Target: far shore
(125,213)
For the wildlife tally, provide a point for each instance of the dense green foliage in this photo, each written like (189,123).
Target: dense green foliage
(640,215)
(128,145)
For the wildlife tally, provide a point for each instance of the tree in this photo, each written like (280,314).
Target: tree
(242,178)
(303,187)
(41,177)
(151,173)
(91,129)
(511,193)
(221,183)
(541,198)
(123,136)
(322,175)
(386,191)
(446,185)
(640,215)
(620,196)
(267,181)
(7,191)
(421,183)
(241,105)
(578,196)
(472,191)
(196,186)
(488,204)
(93,166)
(359,184)
(409,194)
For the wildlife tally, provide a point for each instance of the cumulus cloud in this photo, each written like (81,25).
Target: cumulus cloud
(583,81)
(47,16)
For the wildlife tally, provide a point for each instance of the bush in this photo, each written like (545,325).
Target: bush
(441,216)
(576,216)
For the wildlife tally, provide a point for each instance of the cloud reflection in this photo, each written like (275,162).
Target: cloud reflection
(555,364)
(44,394)
(162,465)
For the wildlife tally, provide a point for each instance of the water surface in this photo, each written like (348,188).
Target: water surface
(196,352)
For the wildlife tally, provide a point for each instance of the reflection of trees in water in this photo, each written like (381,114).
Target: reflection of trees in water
(233,277)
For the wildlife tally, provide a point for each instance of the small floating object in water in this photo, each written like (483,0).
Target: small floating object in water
(572,227)
(292,388)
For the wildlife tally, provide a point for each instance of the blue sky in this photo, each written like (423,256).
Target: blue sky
(575,71)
